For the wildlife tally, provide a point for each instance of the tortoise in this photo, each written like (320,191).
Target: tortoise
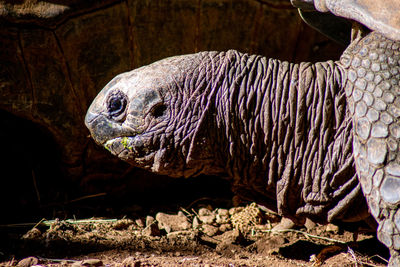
(309,140)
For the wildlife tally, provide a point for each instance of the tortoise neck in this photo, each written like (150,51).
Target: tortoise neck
(286,133)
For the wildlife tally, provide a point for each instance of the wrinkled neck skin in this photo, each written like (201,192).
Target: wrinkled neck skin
(283,135)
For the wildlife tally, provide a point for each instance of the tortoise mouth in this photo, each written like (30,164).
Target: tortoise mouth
(119,144)
(129,148)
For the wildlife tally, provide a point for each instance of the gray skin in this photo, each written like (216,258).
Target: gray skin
(283,133)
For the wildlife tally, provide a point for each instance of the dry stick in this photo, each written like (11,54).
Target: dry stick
(197,215)
(84,221)
(305,234)
(86,197)
(380,257)
(185,211)
(41,221)
(56,260)
(35,186)
(353,255)
(50,222)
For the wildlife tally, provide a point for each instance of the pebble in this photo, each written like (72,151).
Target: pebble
(140,222)
(27,262)
(210,230)
(206,216)
(196,223)
(205,212)
(235,210)
(151,227)
(209,219)
(172,223)
(92,262)
(225,227)
(189,235)
(285,224)
(221,219)
(131,262)
(223,212)
(122,224)
(332,228)
(32,234)
(229,237)
(309,224)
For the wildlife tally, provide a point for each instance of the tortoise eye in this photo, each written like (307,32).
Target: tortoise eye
(116,103)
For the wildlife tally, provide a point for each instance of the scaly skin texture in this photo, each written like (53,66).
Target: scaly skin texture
(372,88)
(283,133)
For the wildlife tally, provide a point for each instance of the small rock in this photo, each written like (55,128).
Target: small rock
(230,237)
(209,229)
(223,212)
(122,224)
(206,216)
(140,222)
(207,219)
(228,250)
(92,262)
(221,219)
(189,235)
(332,228)
(225,227)
(32,234)
(309,224)
(196,223)
(285,224)
(205,212)
(269,245)
(172,222)
(151,227)
(27,262)
(131,262)
(235,210)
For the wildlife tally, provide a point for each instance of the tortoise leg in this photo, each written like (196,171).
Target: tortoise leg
(372,88)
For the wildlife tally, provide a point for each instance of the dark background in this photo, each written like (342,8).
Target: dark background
(56,55)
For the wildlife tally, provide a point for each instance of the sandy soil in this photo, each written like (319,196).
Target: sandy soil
(206,236)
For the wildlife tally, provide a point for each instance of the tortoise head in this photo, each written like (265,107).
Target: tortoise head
(138,114)
(380,16)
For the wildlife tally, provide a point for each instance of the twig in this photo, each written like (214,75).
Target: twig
(50,222)
(56,260)
(195,213)
(84,221)
(35,185)
(86,197)
(353,255)
(185,211)
(380,257)
(305,234)
(41,221)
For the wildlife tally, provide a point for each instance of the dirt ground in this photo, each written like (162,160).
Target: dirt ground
(201,236)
